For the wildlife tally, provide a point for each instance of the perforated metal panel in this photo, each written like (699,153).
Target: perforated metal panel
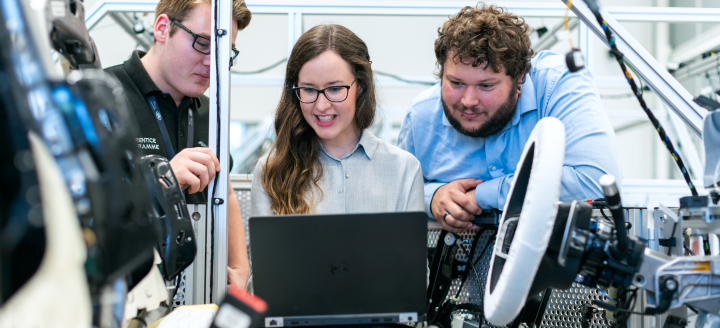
(474,288)
(243,197)
(563,309)
(179,298)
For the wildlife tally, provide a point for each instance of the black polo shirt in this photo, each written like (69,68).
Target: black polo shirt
(137,84)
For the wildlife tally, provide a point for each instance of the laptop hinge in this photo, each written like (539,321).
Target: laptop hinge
(408,317)
(343,319)
(274,322)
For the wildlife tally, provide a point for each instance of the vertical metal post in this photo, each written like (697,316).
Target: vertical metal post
(195,281)
(294,29)
(585,44)
(219,107)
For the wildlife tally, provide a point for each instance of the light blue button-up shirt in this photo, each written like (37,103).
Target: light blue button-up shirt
(549,90)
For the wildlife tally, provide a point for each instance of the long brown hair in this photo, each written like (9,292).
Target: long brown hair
(293,164)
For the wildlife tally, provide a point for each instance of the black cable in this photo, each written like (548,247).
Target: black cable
(672,237)
(472,267)
(177,285)
(602,211)
(487,244)
(471,257)
(393,76)
(607,306)
(485,247)
(402,79)
(660,130)
(262,70)
(624,314)
(217,152)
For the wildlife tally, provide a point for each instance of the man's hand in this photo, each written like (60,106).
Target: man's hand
(235,277)
(194,168)
(457,199)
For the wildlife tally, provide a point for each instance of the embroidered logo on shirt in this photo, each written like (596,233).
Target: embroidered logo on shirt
(147,143)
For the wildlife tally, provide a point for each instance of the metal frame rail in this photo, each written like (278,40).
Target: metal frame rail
(698,67)
(220,124)
(658,78)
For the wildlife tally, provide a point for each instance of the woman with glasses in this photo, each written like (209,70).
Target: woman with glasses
(324,160)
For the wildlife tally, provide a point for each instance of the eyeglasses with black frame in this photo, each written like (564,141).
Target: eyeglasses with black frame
(335,93)
(201,43)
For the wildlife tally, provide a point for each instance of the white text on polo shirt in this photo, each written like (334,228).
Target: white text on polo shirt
(147,143)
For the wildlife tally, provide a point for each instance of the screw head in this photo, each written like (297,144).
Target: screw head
(671,284)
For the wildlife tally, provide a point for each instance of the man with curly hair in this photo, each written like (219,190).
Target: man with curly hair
(469,131)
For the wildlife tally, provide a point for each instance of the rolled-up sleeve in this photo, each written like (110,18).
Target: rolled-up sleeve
(590,146)
(591,149)
(489,194)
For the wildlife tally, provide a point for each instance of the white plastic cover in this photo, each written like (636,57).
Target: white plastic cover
(148,293)
(534,228)
(57,295)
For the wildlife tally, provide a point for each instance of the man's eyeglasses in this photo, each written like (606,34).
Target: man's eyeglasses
(335,93)
(201,43)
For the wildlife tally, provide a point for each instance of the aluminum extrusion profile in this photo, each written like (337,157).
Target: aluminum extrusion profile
(663,84)
(220,92)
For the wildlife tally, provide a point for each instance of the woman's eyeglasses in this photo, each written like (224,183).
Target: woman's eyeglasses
(335,93)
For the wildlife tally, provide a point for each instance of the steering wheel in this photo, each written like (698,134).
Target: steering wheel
(527,222)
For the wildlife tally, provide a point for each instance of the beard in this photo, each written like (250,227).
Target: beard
(494,124)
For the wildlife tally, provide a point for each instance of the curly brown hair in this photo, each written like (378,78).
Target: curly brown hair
(489,35)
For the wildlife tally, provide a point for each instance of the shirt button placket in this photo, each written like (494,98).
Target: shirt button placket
(343,185)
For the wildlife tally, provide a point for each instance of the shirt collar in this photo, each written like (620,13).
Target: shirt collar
(368,142)
(138,74)
(526,103)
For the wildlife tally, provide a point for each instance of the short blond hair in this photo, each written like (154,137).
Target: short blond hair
(179,9)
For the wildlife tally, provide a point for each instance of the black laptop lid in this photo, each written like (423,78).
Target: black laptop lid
(340,264)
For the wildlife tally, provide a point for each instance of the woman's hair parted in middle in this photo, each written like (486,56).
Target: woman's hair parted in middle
(292,167)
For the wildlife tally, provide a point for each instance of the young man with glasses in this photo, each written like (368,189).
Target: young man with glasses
(164,89)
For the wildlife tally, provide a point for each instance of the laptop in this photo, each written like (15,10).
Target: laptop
(348,269)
